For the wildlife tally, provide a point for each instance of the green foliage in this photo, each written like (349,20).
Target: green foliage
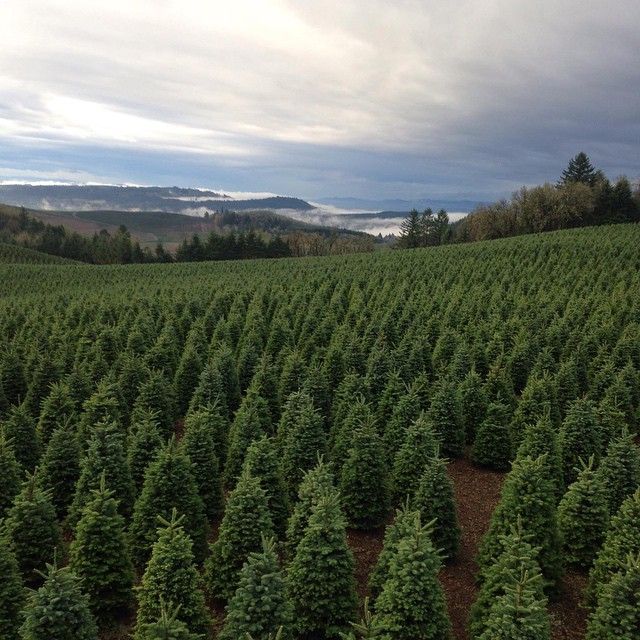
(246,519)
(167,627)
(527,498)
(60,467)
(434,500)
(143,446)
(619,470)
(168,484)
(444,414)
(420,446)
(617,615)
(20,427)
(12,377)
(412,604)
(186,378)
(33,530)
(99,556)
(9,474)
(579,169)
(199,443)
(473,403)
(364,481)
(11,591)
(259,607)
(58,610)
(620,540)
(156,397)
(101,407)
(171,579)
(320,581)
(210,390)
(492,446)
(262,461)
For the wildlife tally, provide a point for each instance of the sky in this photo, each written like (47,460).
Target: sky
(319,98)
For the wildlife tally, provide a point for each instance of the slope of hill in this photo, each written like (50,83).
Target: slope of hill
(14,254)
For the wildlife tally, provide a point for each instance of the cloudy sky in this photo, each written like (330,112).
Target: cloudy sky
(319,98)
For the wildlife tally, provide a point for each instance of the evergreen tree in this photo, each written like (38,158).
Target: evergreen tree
(45,372)
(20,428)
(57,409)
(171,578)
(99,556)
(420,446)
(9,474)
(434,500)
(12,377)
(341,436)
(444,415)
(33,530)
(250,423)
(320,581)
(412,604)
(315,483)
(105,454)
(619,470)
(143,445)
(617,615)
(579,438)
(11,591)
(540,438)
(402,525)
(168,484)
(259,606)
(215,420)
(302,439)
(262,462)
(492,446)
(199,443)
(405,413)
(364,481)
(527,496)
(517,555)
(101,407)
(156,397)
(210,391)
(60,467)
(473,403)
(246,519)
(621,539)
(410,231)
(186,378)
(167,627)
(579,169)
(58,610)
(519,613)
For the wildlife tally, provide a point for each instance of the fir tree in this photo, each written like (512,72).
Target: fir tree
(473,403)
(167,627)
(617,616)
(420,446)
(105,454)
(492,446)
(12,377)
(11,591)
(9,474)
(99,556)
(156,397)
(341,436)
(320,580)
(171,578)
(33,530)
(262,462)
(168,484)
(259,606)
(434,500)
(20,428)
(199,443)
(315,483)
(186,378)
(621,539)
(58,610)
(579,438)
(302,439)
(246,519)
(364,481)
(45,372)
(210,391)
(579,169)
(444,415)
(405,413)
(143,446)
(527,496)
(60,469)
(412,604)
(517,555)
(583,516)
(402,526)
(619,470)
(101,407)
(520,613)
(57,409)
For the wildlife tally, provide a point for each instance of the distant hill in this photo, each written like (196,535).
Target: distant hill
(128,198)
(399,205)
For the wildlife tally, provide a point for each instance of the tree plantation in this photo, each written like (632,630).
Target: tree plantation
(274,448)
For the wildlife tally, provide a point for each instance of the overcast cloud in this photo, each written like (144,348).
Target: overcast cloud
(367,98)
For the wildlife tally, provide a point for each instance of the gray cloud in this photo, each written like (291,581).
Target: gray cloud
(321,98)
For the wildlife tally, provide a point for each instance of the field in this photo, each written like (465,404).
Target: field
(211,387)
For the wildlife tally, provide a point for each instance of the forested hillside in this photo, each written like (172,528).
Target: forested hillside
(279,449)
